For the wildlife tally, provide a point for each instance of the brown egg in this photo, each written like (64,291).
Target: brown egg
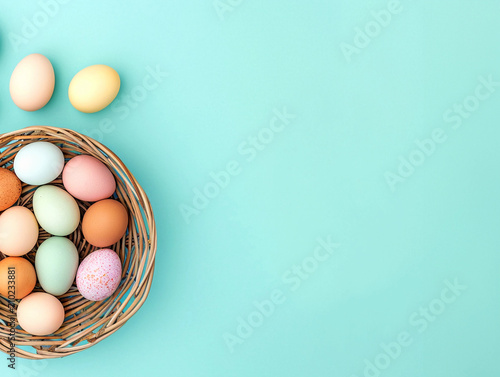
(19,271)
(104,223)
(10,188)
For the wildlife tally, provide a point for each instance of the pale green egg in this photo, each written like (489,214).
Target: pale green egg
(57,211)
(56,263)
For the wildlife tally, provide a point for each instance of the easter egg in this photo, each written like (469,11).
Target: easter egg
(105,223)
(10,189)
(86,178)
(57,211)
(39,163)
(99,275)
(56,263)
(40,314)
(32,82)
(17,277)
(94,88)
(18,231)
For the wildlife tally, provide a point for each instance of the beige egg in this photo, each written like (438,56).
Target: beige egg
(40,314)
(94,88)
(32,82)
(18,231)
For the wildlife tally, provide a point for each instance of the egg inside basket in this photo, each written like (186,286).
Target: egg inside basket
(86,322)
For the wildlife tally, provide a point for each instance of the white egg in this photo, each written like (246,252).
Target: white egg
(39,163)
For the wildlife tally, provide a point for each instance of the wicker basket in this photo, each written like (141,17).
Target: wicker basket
(86,322)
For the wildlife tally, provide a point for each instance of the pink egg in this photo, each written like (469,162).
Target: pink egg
(88,179)
(99,275)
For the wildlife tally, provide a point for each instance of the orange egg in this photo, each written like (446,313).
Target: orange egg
(10,188)
(17,277)
(104,223)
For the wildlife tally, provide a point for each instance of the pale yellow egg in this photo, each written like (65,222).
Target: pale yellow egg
(94,88)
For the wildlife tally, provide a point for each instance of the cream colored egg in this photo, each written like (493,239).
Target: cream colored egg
(40,314)
(32,82)
(94,88)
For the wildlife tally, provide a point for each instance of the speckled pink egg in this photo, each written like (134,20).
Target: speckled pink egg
(99,275)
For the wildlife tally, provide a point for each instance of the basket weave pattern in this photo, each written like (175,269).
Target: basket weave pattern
(86,322)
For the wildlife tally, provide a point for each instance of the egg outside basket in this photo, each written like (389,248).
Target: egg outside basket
(86,322)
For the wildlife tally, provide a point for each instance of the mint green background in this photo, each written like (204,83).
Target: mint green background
(323,175)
